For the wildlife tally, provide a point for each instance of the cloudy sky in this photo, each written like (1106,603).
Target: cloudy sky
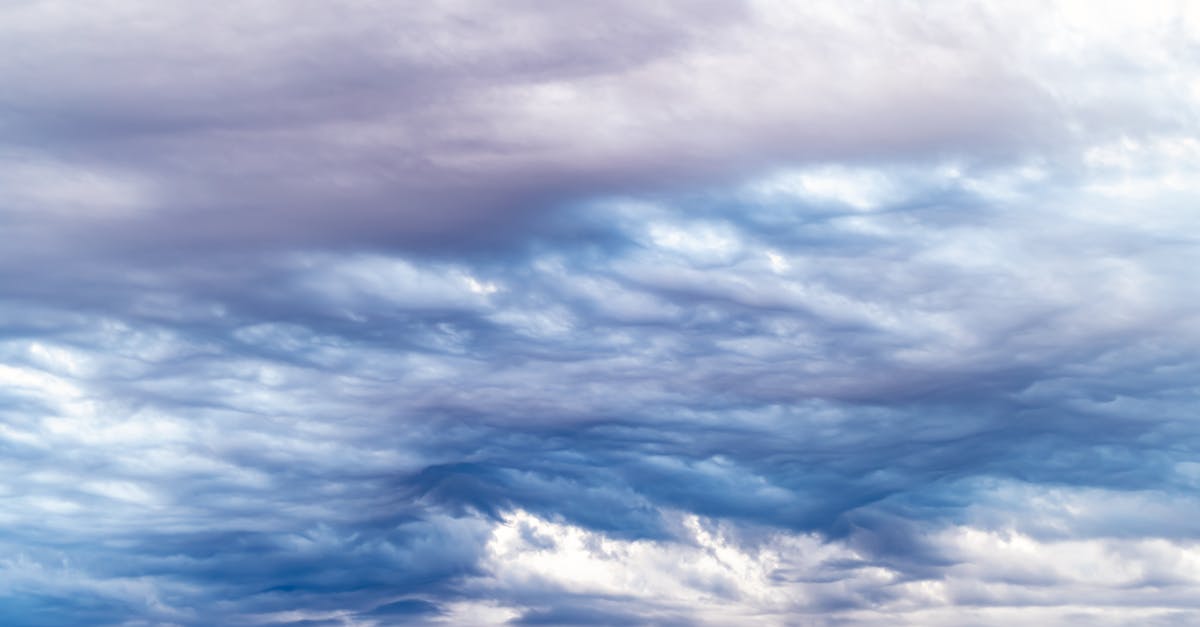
(368,313)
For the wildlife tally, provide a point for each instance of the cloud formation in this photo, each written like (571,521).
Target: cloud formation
(668,313)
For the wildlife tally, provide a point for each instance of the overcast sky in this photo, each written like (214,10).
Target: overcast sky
(368,313)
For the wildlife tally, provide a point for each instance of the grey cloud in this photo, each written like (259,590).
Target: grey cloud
(441,126)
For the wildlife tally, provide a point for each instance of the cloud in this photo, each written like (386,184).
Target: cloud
(334,436)
(641,314)
(456,124)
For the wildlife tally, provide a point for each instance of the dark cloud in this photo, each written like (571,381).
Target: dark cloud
(448,126)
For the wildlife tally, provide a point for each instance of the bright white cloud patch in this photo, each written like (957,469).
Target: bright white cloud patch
(712,574)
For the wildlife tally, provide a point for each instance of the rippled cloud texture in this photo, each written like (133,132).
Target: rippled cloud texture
(558,313)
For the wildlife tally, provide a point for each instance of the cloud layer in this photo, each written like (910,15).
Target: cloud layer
(667,313)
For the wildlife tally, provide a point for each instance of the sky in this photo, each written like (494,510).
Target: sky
(365,313)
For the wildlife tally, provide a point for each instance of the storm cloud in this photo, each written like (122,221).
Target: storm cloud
(537,313)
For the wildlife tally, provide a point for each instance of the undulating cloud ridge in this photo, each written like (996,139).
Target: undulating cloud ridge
(673,313)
